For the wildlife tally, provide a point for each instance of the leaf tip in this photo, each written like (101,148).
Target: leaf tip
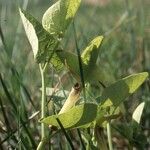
(138,112)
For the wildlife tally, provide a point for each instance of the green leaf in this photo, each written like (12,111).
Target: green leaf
(90,54)
(138,113)
(42,43)
(91,74)
(75,117)
(56,62)
(125,129)
(57,18)
(120,90)
(115,94)
(106,113)
(70,61)
(89,57)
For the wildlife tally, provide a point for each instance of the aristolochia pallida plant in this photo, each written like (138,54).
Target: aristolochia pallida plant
(45,41)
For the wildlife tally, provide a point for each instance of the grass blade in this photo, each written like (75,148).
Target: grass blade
(65,133)
(82,143)
(15,111)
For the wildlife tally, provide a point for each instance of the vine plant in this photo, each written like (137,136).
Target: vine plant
(45,40)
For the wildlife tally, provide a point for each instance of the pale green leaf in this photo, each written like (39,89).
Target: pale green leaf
(115,94)
(75,117)
(90,54)
(91,73)
(138,113)
(42,43)
(120,90)
(57,18)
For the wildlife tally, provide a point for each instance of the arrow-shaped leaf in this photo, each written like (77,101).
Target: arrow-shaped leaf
(116,93)
(120,90)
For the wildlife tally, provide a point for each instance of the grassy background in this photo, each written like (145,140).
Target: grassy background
(126,50)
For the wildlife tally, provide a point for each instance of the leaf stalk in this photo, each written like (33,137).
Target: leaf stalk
(43,110)
(109,136)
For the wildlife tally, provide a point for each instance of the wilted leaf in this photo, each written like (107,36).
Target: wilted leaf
(42,43)
(75,117)
(57,18)
(138,113)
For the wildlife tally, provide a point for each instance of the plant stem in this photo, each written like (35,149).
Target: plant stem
(43,110)
(43,103)
(100,137)
(109,136)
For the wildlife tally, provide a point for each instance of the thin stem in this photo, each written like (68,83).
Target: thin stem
(45,66)
(43,110)
(109,136)
(100,137)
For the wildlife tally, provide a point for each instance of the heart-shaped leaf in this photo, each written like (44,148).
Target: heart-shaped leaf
(75,117)
(42,43)
(57,18)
